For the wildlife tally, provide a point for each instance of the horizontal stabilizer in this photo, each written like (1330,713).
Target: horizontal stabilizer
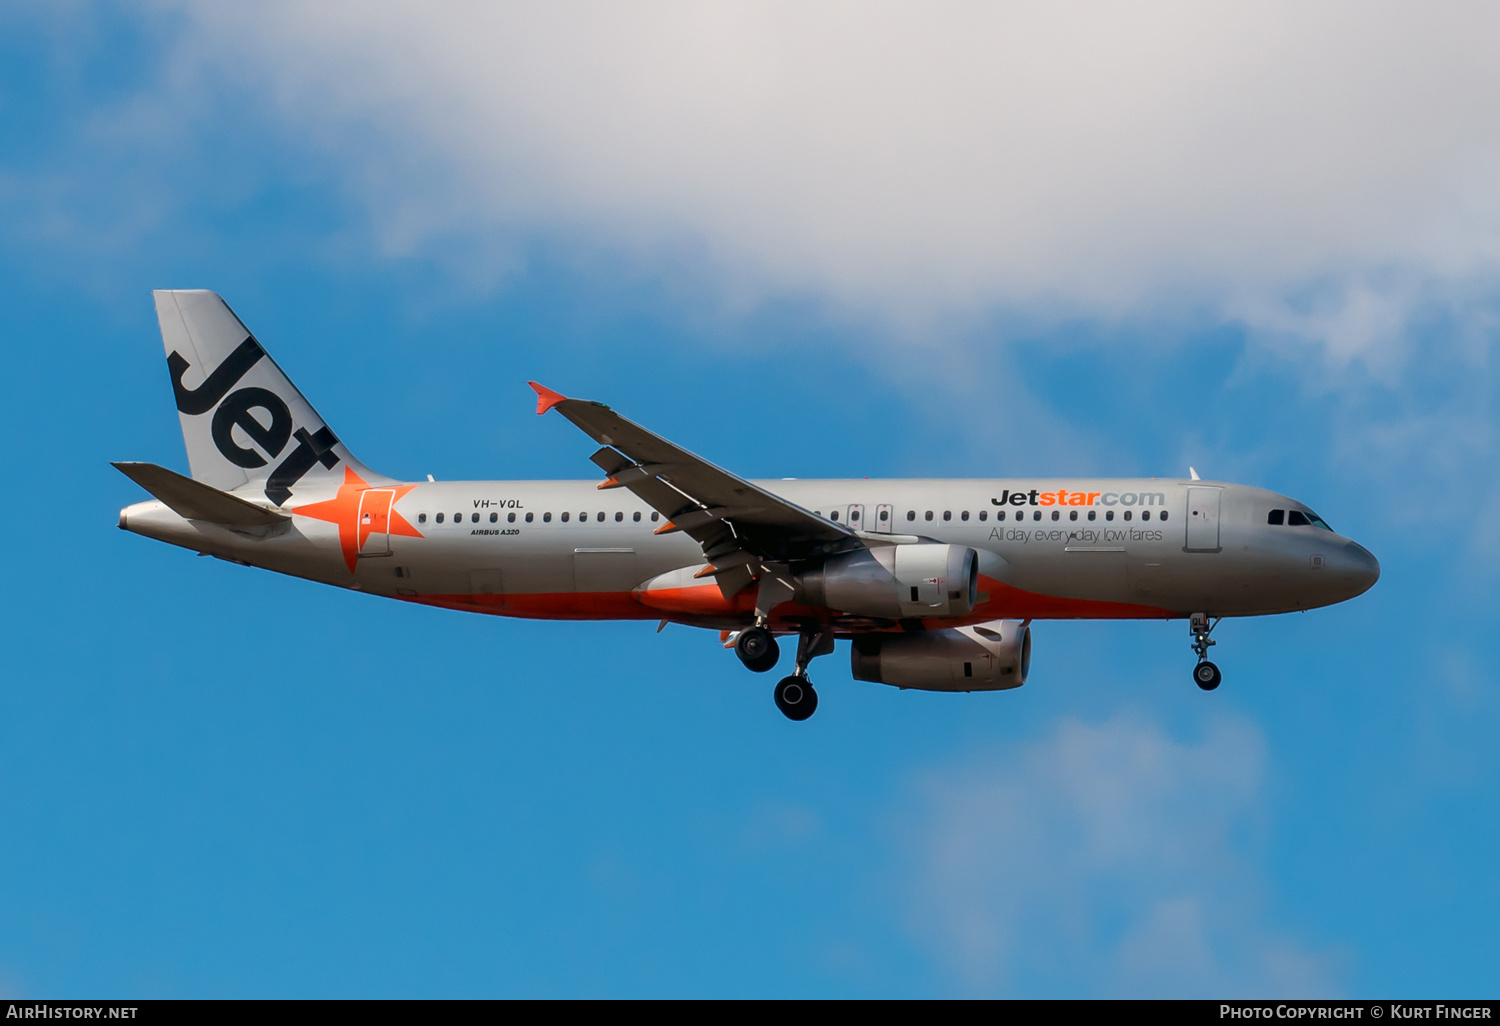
(196,500)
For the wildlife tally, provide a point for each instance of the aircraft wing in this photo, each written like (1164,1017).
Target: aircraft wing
(738,524)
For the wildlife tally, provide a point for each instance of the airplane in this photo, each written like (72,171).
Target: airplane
(935,583)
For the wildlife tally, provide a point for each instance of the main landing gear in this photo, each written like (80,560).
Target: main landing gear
(795,695)
(757,649)
(1206,675)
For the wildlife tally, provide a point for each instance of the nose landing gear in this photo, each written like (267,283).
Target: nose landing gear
(1206,675)
(795,695)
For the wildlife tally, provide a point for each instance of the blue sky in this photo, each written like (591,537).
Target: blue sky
(218,782)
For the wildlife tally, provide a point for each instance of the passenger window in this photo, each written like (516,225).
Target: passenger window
(834,515)
(1162,515)
(984,514)
(911,514)
(655,517)
(1092,514)
(421,518)
(929,514)
(1072,514)
(564,517)
(1127,514)
(1276,516)
(528,517)
(600,517)
(636,516)
(1037,515)
(458,518)
(1296,518)
(999,514)
(1056,515)
(440,518)
(495,517)
(1145,514)
(885,515)
(546,518)
(854,514)
(510,518)
(1109,514)
(947,514)
(619,518)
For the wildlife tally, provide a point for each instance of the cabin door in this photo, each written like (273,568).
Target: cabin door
(375,521)
(1203,519)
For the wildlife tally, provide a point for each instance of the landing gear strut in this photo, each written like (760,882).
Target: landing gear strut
(1206,675)
(795,695)
(757,649)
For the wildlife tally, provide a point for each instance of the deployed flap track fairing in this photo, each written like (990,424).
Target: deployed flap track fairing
(935,582)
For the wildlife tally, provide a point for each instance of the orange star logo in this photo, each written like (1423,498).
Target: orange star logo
(360,511)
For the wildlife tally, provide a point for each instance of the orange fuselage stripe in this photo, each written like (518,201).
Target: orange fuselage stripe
(1004,603)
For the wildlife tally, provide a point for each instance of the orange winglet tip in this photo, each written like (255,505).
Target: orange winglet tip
(666,528)
(608,482)
(706,571)
(545,397)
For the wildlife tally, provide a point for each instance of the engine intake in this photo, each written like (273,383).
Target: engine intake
(896,581)
(990,656)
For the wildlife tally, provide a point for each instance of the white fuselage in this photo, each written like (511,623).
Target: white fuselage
(1063,548)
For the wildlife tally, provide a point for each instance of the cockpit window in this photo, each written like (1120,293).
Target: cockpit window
(1276,516)
(1297,518)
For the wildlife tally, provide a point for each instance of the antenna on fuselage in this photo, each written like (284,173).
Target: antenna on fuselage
(1194,474)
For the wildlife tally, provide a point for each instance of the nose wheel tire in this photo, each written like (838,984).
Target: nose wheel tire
(1206,675)
(796,698)
(757,649)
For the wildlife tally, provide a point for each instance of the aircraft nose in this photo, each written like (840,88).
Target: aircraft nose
(1362,568)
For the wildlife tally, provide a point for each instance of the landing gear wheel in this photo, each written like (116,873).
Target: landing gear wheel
(1206,675)
(796,698)
(757,649)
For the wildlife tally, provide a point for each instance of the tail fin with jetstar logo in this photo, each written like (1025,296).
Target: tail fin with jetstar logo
(246,426)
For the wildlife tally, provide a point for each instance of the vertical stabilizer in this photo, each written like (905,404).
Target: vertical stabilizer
(246,426)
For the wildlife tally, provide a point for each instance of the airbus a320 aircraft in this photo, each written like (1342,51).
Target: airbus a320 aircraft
(935,582)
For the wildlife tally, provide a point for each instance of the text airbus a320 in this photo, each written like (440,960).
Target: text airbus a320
(934,582)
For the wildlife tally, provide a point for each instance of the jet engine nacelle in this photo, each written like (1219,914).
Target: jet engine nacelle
(896,581)
(986,657)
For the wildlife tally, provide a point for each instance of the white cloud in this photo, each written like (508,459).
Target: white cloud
(1107,859)
(913,160)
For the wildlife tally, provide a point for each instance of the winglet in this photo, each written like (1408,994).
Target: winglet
(545,397)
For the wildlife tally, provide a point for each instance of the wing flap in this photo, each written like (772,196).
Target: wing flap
(196,500)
